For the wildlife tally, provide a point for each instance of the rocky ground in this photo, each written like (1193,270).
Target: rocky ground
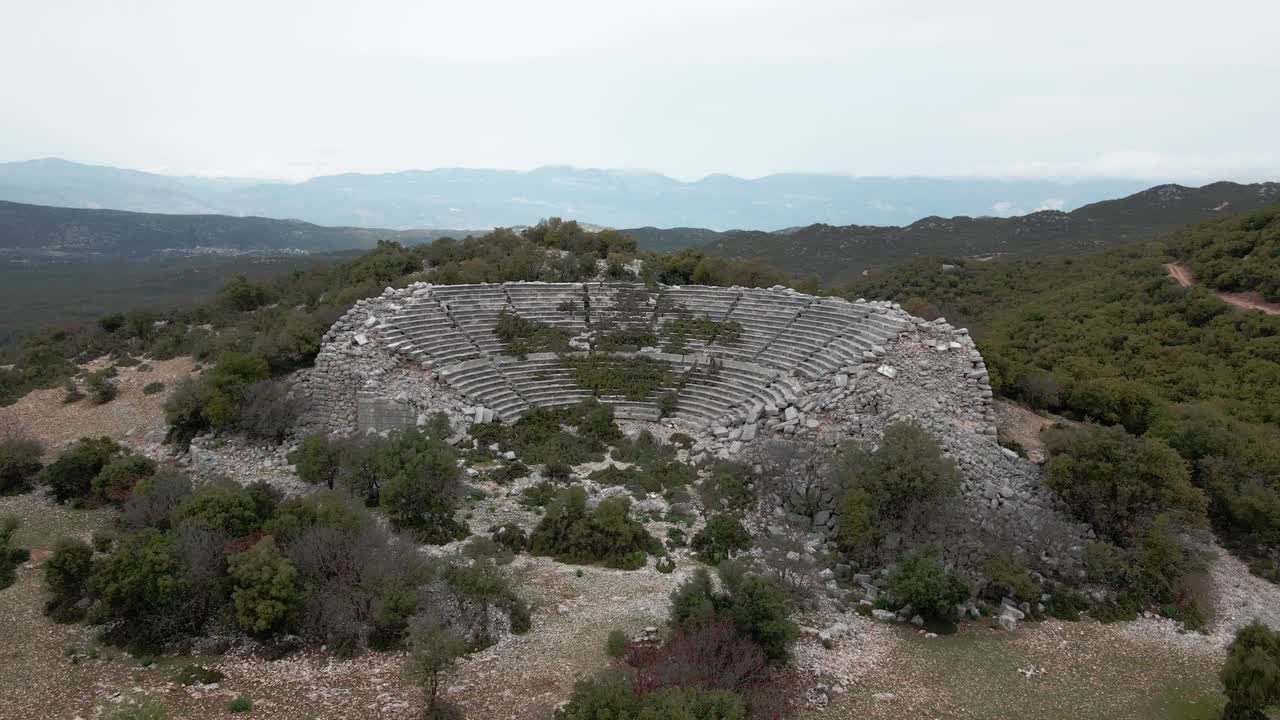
(1143,670)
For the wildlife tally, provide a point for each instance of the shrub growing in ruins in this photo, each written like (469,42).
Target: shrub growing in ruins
(265,588)
(635,377)
(19,463)
(722,538)
(66,578)
(606,535)
(317,460)
(267,412)
(213,402)
(419,493)
(70,477)
(727,488)
(922,582)
(881,487)
(1007,576)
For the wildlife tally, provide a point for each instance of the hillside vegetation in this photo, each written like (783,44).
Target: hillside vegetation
(837,253)
(1110,338)
(1236,255)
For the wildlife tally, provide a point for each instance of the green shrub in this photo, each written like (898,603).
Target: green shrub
(680,439)
(1111,479)
(433,651)
(1008,577)
(155,500)
(266,412)
(605,535)
(881,487)
(557,471)
(613,698)
(922,582)
(116,480)
(71,393)
(510,536)
(143,586)
(616,644)
(756,605)
(727,488)
(66,578)
(722,538)
(241,704)
(317,460)
(419,492)
(19,463)
(266,591)
(224,507)
(522,336)
(101,389)
(1251,674)
(70,477)
(508,472)
(635,377)
(153,388)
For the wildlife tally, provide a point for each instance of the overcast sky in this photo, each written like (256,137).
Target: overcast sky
(1168,90)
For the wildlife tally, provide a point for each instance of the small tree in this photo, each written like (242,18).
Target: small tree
(267,595)
(19,463)
(1251,675)
(722,538)
(318,460)
(66,576)
(433,651)
(419,493)
(921,582)
(101,389)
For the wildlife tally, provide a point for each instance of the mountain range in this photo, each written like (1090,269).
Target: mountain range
(835,253)
(483,199)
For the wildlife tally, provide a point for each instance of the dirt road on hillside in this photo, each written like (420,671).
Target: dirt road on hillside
(1246,301)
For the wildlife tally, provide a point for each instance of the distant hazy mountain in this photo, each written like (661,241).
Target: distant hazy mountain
(832,252)
(482,199)
(38,233)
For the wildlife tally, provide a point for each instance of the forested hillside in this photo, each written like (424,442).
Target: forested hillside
(1236,255)
(841,253)
(34,233)
(1110,337)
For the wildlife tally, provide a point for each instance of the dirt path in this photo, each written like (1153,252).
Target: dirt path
(1245,301)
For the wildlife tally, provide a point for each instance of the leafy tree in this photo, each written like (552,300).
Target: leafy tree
(142,585)
(573,534)
(433,651)
(318,460)
(66,577)
(266,592)
(755,604)
(116,480)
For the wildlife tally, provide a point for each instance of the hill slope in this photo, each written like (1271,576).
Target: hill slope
(35,233)
(835,253)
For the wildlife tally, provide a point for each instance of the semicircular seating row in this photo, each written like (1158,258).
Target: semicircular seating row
(787,338)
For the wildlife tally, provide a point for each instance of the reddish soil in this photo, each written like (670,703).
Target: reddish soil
(1246,300)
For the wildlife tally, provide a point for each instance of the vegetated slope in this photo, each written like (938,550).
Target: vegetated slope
(834,253)
(1236,255)
(483,198)
(1112,337)
(38,232)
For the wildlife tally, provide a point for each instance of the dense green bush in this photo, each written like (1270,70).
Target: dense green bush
(571,533)
(756,605)
(1251,674)
(521,336)
(922,582)
(1111,480)
(1007,576)
(721,538)
(266,591)
(214,401)
(19,463)
(116,480)
(101,389)
(144,586)
(881,487)
(635,378)
(539,436)
(317,460)
(70,477)
(222,507)
(420,489)
(66,578)
(727,488)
